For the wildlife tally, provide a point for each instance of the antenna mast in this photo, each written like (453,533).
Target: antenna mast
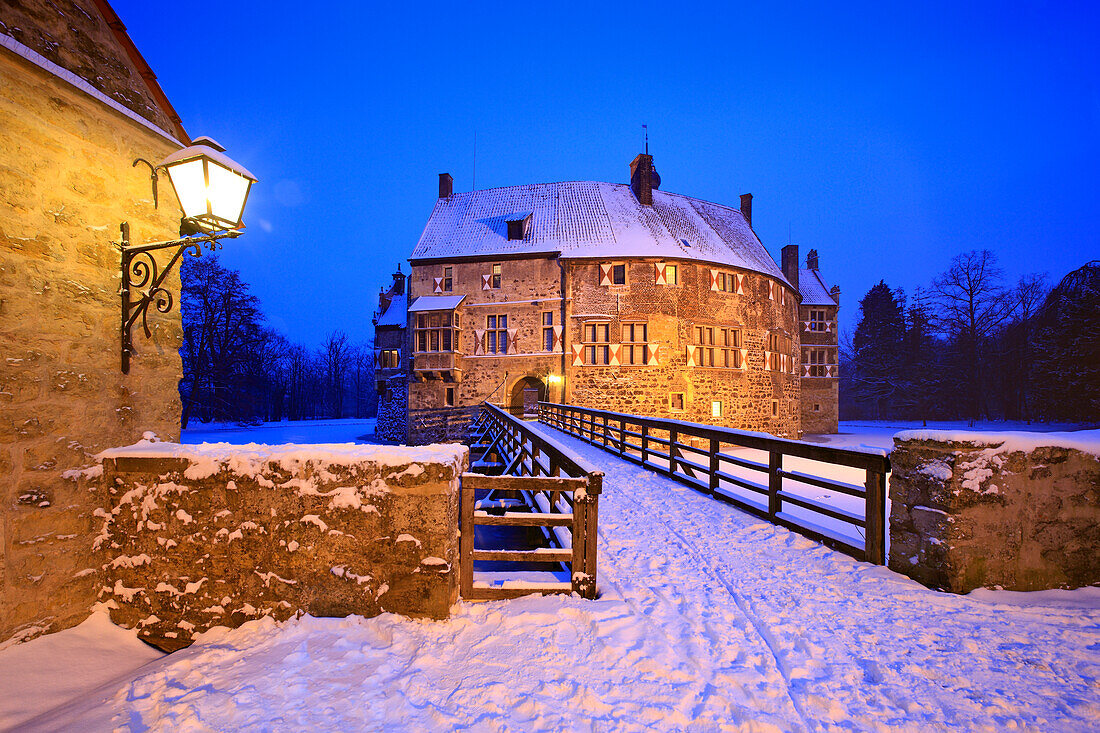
(646,127)
(473,186)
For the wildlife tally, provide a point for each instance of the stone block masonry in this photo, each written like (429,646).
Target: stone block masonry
(193,537)
(1016,510)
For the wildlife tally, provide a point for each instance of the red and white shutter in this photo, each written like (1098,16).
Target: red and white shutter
(513,340)
(692,355)
(771,289)
(437,287)
(578,354)
(660,279)
(744,358)
(487,282)
(479,342)
(714,279)
(739,284)
(378,360)
(614,351)
(654,359)
(557,338)
(605,273)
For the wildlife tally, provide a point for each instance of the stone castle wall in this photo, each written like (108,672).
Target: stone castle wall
(66,182)
(193,537)
(822,393)
(1020,511)
(752,398)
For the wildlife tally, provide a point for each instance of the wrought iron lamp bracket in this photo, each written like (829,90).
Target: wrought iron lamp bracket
(152,176)
(142,274)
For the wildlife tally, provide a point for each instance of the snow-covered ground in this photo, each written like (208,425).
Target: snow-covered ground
(709,619)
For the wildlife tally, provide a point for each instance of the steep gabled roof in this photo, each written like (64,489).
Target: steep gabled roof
(86,38)
(394,315)
(813,288)
(592,220)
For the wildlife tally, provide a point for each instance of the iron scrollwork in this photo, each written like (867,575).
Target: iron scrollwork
(142,277)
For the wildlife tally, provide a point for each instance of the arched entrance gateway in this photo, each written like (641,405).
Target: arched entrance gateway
(525,396)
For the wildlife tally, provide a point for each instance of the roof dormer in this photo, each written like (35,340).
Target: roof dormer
(519,224)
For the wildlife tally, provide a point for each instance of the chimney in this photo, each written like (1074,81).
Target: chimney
(789,257)
(643,178)
(446,185)
(746,207)
(811,260)
(398,287)
(835,292)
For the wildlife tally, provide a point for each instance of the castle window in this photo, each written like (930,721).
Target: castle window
(437,331)
(496,277)
(817,407)
(548,330)
(496,334)
(449,397)
(618,274)
(817,320)
(779,349)
(597,337)
(672,275)
(818,360)
(718,347)
(448,279)
(390,359)
(635,347)
(775,408)
(715,408)
(518,225)
(676,402)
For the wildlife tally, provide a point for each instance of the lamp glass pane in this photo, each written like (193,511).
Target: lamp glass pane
(227,193)
(190,184)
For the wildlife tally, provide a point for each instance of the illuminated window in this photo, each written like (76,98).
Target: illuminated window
(716,409)
(597,336)
(635,346)
(496,276)
(436,331)
(496,334)
(390,359)
(718,347)
(672,275)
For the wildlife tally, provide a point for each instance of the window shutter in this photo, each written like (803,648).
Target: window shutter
(613,355)
(487,282)
(692,355)
(744,358)
(771,290)
(479,342)
(739,284)
(654,360)
(660,274)
(513,339)
(578,354)
(377,359)
(605,273)
(557,338)
(438,286)
(714,279)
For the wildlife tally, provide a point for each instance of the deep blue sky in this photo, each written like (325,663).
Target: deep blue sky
(888,139)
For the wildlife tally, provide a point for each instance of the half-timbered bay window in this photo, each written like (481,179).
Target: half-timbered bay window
(716,346)
(635,346)
(597,343)
(436,331)
(496,334)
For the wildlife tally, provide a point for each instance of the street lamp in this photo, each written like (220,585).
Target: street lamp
(211,189)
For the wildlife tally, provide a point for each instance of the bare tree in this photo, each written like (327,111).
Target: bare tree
(972,305)
(335,356)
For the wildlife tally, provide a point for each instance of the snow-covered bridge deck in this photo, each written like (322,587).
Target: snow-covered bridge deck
(709,620)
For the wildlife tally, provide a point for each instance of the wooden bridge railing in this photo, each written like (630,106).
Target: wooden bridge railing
(704,457)
(560,492)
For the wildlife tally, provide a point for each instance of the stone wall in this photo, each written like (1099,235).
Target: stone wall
(1019,510)
(820,395)
(199,536)
(66,182)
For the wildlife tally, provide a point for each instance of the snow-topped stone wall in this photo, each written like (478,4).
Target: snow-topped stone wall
(217,535)
(1015,510)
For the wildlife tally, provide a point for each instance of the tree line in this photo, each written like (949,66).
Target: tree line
(236,368)
(972,346)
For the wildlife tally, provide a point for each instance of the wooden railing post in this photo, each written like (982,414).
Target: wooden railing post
(605,431)
(775,483)
(672,437)
(876,518)
(622,437)
(466,539)
(645,443)
(714,450)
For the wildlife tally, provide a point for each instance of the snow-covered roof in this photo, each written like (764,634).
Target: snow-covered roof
(590,219)
(395,313)
(813,288)
(436,303)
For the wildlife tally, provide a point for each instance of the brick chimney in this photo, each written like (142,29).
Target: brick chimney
(789,257)
(746,207)
(446,185)
(811,260)
(641,179)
